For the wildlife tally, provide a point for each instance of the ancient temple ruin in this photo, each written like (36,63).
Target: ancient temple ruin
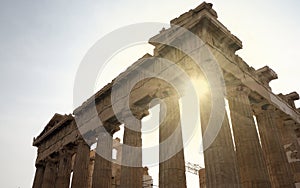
(247,158)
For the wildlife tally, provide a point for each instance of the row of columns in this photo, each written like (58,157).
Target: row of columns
(171,171)
(255,161)
(54,173)
(269,164)
(249,164)
(275,157)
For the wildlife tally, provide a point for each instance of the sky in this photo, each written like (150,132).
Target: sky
(43,42)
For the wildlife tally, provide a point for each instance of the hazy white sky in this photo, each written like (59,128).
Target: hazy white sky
(43,42)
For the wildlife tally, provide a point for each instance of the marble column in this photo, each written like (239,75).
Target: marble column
(290,142)
(219,156)
(91,168)
(276,161)
(39,174)
(49,174)
(81,166)
(102,176)
(64,169)
(251,164)
(290,137)
(202,178)
(131,169)
(171,155)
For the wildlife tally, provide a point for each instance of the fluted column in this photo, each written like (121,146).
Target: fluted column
(276,161)
(251,164)
(81,166)
(219,156)
(202,178)
(49,174)
(38,178)
(288,131)
(64,169)
(131,169)
(171,156)
(102,176)
(91,168)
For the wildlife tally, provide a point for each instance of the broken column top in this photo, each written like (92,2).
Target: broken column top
(267,73)
(202,7)
(290,98)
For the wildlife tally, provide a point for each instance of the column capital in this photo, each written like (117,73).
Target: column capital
(54,157)
(106,133)
(261,108)
(80,141)
(289,122)
(137,111)
(51,160)
(107,127)
(88,139)
(164,92)
(171,97)
(66,151)
(235,90)
(40,163)
(114,130)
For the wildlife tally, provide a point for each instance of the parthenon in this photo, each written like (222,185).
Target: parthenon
(255,146)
